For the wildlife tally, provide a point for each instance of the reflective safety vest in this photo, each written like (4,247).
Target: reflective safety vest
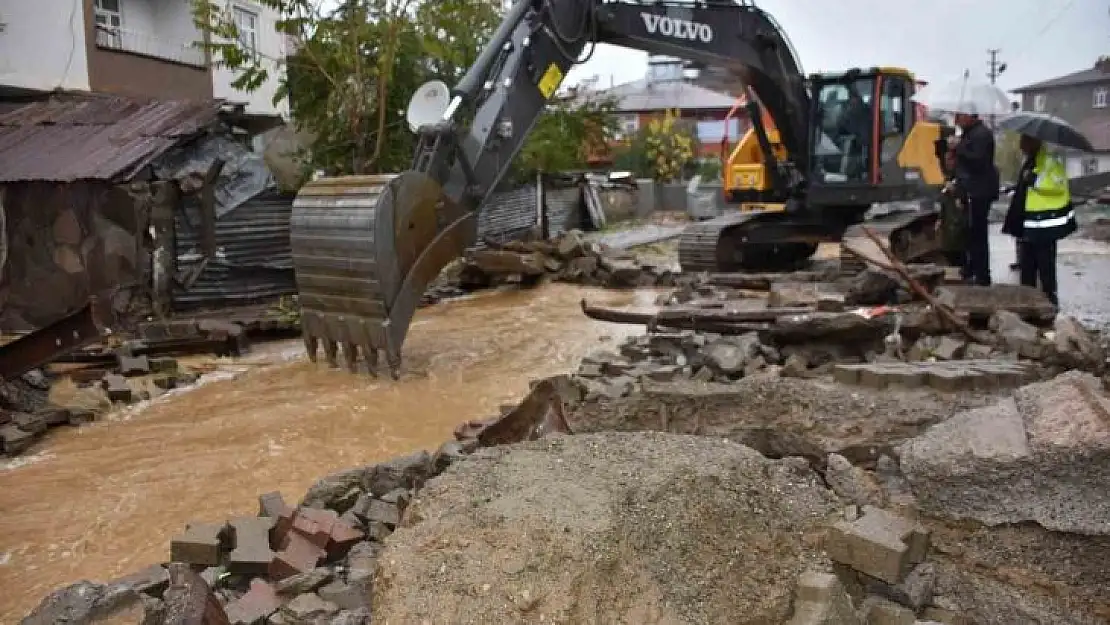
(1048,210)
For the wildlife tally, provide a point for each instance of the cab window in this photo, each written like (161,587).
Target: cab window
(842,149)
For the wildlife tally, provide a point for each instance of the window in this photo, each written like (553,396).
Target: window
(1040,102)
(247,24)
(1090,165)
(1100,97)
(108,19)
(627,125)
(842,147)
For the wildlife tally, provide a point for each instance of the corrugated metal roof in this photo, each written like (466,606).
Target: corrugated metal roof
(1082,77)
(94,137)
(644,95)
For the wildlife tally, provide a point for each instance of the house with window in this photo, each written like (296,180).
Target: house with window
(1083,99)
(133,48)
(665,87)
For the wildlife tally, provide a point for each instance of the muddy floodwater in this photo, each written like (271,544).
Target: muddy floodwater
(104,500)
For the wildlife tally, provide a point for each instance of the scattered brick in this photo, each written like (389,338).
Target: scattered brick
(955,375)
(880,544)
(34,424)
(307,608)
(255,606)
(315,525)
(163,364)
(297,556)
(820,599)
(81,417)
(133,365)
(301,583)
(116,387)
(252,553)
(54,416)
(202,544)
(362,557)
(343,537)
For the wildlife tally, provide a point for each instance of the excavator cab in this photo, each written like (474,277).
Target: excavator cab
(866,144)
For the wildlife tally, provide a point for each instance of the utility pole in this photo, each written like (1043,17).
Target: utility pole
(996,69)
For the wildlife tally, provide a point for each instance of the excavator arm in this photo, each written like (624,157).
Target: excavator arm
(365,248)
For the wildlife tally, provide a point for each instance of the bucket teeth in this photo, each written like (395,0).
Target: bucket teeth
(364,250)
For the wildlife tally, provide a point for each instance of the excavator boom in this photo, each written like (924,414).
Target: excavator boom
(365,248)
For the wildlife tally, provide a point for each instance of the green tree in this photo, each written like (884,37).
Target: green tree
(351,71)
(566,134)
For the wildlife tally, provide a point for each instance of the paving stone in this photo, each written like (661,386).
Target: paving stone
(271,505)
(255,606)
(116,387)
(34,424)
(879,544)
(298,555)
(880,611)
(252,553)
(201,544)
(133,365)
(13,440)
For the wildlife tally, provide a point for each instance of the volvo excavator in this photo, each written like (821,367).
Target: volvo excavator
(821,151)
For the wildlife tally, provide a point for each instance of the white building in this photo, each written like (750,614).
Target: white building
(141,48)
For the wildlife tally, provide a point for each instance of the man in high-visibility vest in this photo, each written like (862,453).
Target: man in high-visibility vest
(1044,202)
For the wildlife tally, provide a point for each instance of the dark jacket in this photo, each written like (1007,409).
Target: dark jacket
(975,170)
(1015,215)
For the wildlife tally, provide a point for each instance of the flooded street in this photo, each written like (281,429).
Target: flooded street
(104,500)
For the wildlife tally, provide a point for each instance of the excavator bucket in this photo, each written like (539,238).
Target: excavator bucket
(365,249)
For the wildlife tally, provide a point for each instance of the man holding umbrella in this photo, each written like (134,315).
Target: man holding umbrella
(1041,211)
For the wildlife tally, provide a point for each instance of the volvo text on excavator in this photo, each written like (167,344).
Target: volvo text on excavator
(820,152)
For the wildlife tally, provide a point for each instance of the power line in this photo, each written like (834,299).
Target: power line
(997,67)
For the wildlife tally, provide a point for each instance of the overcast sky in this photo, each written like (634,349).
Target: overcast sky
(936,39)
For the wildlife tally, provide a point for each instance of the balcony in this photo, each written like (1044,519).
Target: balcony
(150,46)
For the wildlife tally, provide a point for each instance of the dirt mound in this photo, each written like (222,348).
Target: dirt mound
(606,528)
(779,416)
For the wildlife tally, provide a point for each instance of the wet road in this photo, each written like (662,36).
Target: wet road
(105,500)
(1083,273)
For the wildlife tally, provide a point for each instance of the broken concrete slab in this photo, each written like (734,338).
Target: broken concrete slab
(983,301)
(791,294)
(116,387)
(878,543)
(297,555)
(1042,455)
(14,441)
(882,611)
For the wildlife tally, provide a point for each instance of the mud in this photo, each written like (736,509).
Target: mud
(104,500)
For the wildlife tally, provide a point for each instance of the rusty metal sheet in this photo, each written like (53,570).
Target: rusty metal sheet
(94,138)
(47,344)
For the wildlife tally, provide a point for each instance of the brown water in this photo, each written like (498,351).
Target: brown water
(106,499)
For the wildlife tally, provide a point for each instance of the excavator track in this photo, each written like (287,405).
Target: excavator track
(743,241)
(365,249)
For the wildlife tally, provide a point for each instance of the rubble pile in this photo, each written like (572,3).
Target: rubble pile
(92,381)
(309,563)
(569,258)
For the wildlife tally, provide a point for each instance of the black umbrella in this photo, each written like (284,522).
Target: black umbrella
(1046,128)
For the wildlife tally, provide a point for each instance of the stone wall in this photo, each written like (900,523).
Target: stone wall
(65,242)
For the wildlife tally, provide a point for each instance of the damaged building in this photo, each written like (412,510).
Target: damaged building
(158,205)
